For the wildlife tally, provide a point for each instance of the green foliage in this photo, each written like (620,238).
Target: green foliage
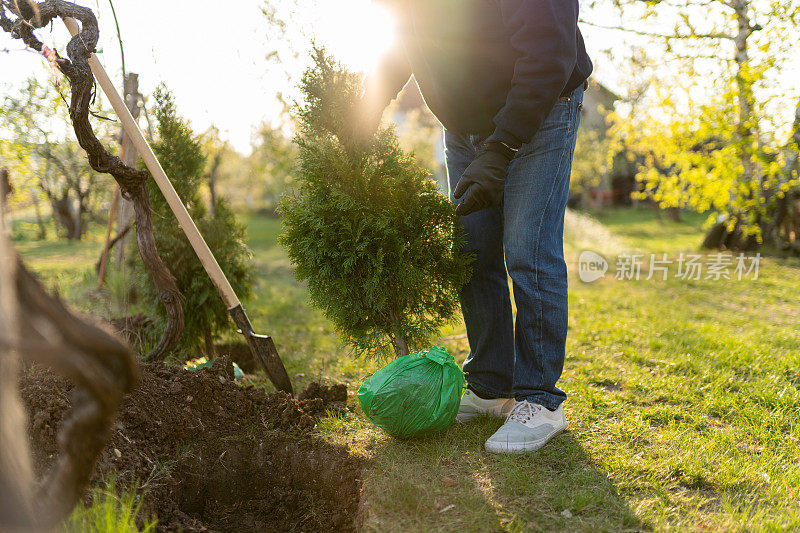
(709,125)
(698,160)
(366,228)
(180,152)
(46,163)
(271,164)
(108,513)
(590,164)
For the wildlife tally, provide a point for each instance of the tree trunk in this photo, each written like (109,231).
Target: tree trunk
(212,184)
(128,156)
(400,343)
(64,215)
(37,209)
(5,184)
(586,199)
(401,346)
(125,215)
(81,218)
(674,213)
(786,221)
(102,264)
(744,88)
(746,135)
(213,200)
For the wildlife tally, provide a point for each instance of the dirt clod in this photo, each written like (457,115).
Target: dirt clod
(212,455)
(239,353)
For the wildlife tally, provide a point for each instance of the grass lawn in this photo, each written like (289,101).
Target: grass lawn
(682,396)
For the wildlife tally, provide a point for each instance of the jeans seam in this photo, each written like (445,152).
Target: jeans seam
(485,391)
(544,397)
(539,324)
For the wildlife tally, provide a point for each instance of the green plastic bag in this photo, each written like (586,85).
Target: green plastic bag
(414,395)
(203,362)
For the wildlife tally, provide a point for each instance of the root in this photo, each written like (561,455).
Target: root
(35,326)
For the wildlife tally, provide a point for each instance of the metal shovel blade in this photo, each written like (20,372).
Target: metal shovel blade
(263,350)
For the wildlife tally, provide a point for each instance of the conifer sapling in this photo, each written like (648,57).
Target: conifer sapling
(181,154)
(368,230)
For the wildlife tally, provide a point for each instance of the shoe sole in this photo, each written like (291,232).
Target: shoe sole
(463,418)
(520,447)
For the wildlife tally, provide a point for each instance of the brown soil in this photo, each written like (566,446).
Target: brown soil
(240,354)
(211,455)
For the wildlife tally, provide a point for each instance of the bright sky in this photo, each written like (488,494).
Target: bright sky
(214,62)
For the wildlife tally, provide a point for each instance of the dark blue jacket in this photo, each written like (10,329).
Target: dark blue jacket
(489,67)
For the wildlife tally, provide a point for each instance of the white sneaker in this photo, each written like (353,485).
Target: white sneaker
(528,427)
(473,406)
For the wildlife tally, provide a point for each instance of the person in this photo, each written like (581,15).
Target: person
(506,79)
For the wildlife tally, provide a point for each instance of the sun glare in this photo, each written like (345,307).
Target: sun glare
(357,32)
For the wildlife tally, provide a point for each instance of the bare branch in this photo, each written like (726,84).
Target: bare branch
(119,38)
(667,37)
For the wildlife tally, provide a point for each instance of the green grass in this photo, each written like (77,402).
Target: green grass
(682,398)
(646,229)
(109,512)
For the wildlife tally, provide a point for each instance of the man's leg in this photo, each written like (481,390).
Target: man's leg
(535,200)
(485,300)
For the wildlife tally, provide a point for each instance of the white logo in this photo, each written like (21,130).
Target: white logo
(591,266)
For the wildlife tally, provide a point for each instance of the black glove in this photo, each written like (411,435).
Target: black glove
(482,183)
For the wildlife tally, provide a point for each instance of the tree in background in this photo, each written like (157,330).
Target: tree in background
(712,131)
(27,193)
(217,151)
(589,165)
(48,157)
(272,162)
(254,182)
(181,154)
(367,229)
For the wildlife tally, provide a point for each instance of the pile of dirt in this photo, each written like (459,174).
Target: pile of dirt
(334,396)
(240,353)
(212,455)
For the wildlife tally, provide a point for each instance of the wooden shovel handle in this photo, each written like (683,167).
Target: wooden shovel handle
(184,219)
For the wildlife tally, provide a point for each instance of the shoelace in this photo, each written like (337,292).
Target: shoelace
(523,412)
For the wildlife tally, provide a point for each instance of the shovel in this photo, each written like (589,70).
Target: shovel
(262,346)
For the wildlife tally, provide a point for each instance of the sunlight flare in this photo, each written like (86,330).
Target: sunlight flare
(357,32)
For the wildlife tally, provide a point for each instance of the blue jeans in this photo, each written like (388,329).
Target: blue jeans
(522,238)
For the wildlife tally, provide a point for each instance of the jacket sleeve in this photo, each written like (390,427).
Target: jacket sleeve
(544,32)
(385,82)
